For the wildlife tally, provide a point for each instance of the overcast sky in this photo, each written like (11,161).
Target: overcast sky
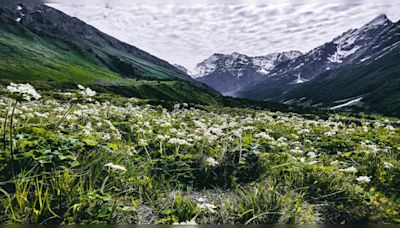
(187,32)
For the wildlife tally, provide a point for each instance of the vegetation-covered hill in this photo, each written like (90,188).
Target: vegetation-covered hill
(49,49)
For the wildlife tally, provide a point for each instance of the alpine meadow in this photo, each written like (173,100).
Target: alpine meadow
(94,130)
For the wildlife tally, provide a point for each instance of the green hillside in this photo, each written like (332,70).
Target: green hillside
(47,62)
(376,80)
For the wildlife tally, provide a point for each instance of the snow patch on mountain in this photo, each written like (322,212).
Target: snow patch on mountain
(299,80)
(355,39)
(348,38)
(341,54)
(263,71)
(206,67)
(349,103)
(236,63)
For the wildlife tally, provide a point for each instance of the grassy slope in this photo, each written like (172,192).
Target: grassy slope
(26,57)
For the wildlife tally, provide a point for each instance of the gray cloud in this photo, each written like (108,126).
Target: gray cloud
(185,33)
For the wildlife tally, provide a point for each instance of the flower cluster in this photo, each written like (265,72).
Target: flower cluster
(25,91)
(213,132)
(86,91)
(363,179)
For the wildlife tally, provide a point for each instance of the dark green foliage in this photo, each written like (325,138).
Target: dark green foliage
(377,81)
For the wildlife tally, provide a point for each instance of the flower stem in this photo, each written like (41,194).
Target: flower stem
(11,131)
(4,127)
(147,153)
(66,114)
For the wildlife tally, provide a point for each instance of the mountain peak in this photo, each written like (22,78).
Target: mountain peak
(181,68)
(382,19)
(236,55)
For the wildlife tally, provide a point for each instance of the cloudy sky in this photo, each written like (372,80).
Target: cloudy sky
(187,31)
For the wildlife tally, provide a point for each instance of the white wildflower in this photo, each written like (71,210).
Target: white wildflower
(211,161)
(207,206)
(42,115)
(390,128)
(264,135)
(26,90)
(363,179)
(313,162)
(388,165)
(162,137)
(296,150)
(282,139)
(330,133)
(180,142)
(351,169)
(334,162)
(106,137)
(312,154)
(86,92)
(143,142)
(116,167)
(186,223)
(201,200)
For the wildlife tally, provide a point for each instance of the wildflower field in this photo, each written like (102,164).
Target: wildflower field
(82,157)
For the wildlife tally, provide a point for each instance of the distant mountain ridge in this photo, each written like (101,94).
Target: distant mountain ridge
(358,65)
(230,73)
(350,47)
(372,78)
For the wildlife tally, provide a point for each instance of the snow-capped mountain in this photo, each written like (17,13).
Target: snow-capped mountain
(355,45)
(229,73)
(370,82)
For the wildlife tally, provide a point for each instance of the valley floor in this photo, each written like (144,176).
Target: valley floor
(75,157)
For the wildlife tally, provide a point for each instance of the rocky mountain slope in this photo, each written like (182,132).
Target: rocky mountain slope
(181,68)
(230,73)
(371,82)
(353,46)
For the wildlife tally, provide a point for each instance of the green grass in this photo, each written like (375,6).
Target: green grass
(191,162)
(32,58)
